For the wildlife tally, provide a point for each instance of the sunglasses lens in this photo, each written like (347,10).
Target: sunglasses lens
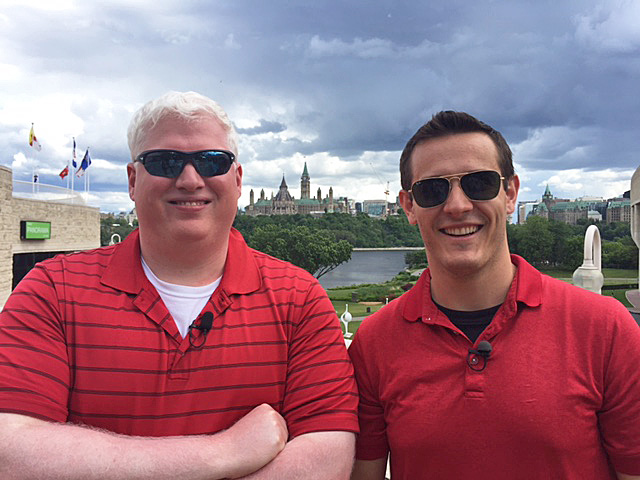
(162,163)
(430,191)
(170,163)
(481,185)
(212,163)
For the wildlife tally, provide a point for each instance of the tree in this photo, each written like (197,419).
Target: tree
(619,254)
(561,233)
(110,225)
(574,252)
(535,241)
(317,251)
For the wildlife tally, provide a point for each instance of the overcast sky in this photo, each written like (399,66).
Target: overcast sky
(341,85)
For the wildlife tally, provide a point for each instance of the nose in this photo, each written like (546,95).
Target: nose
(189,179)
(457,203)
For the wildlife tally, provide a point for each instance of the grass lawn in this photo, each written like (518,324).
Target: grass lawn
(356,309)
(612,276)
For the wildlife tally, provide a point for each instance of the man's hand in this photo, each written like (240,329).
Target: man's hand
(65,451)
(254,440)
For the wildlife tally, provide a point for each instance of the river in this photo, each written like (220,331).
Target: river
(366,267)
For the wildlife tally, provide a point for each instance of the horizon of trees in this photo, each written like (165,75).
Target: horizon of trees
(543,243)
(553,244)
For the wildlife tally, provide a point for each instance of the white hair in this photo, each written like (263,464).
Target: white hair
(188,105)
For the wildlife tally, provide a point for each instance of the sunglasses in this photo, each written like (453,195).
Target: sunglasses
(170,163)
(478,186)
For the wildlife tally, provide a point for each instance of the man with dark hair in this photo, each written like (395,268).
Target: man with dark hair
(180,353)
(487,368)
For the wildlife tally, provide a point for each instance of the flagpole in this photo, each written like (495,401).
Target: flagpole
(73,163)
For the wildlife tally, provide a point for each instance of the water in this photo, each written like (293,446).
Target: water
(366,267)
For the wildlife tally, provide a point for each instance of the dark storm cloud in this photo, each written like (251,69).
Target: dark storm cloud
(338,79)
(265,126)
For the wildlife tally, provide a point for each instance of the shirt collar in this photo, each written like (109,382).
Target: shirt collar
(124,271)
(526,288)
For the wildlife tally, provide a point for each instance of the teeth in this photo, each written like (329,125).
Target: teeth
(189,204)
(461,230)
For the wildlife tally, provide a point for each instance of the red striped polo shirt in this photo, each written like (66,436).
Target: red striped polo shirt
(86,338)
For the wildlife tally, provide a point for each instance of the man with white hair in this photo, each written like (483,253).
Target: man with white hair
(181,352)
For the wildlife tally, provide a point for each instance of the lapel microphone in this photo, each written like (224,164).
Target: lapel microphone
(483,352)
(204,325)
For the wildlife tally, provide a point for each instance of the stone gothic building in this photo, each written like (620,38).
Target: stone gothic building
(283,203)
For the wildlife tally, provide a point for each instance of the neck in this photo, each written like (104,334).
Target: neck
(188,263)
(467,291)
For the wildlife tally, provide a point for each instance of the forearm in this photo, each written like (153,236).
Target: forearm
(313,456)
(369,469)
(624,476)
(31,448)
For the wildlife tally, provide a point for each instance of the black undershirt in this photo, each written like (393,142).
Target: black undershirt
(472,324)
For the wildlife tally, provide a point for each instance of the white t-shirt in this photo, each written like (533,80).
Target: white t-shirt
(184,303)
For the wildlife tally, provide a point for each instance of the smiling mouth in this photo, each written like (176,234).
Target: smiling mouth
(461,231)
(196,203)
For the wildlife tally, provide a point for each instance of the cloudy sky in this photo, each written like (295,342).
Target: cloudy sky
(341,85)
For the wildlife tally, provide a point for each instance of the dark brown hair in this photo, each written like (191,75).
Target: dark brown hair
(450,123)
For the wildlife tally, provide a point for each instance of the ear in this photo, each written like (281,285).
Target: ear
(408,205)
(512,194)
(238,174)
(131,175)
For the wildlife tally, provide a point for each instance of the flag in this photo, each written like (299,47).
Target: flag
(86,161)
(73,157)
(64,172)
(33,141)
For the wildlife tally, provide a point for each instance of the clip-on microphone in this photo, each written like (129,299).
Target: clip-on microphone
(483,351)
(206,322)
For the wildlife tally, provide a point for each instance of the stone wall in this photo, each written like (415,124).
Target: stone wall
(73,228)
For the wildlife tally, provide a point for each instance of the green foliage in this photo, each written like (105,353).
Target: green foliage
(619,254)
(416,259)
(535,241)
(548,243)
(359,230)
(376,293)
(317,251)
(111,224)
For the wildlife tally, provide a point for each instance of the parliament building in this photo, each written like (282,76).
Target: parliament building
(283,203)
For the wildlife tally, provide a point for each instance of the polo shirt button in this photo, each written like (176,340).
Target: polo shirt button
(474,360)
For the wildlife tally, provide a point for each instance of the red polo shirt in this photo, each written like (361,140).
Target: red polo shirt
(559,397)
(86,338)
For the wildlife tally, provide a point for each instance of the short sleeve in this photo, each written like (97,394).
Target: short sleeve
(372,442)
(320,394)
(619,417)
(34,367)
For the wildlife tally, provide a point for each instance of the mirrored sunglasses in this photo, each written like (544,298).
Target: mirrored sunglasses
(477,186)
(170,163)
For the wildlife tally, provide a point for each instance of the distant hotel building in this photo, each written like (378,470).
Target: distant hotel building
(570,211)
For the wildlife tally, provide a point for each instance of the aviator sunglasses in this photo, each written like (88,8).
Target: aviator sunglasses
(478,186)
(170,163)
